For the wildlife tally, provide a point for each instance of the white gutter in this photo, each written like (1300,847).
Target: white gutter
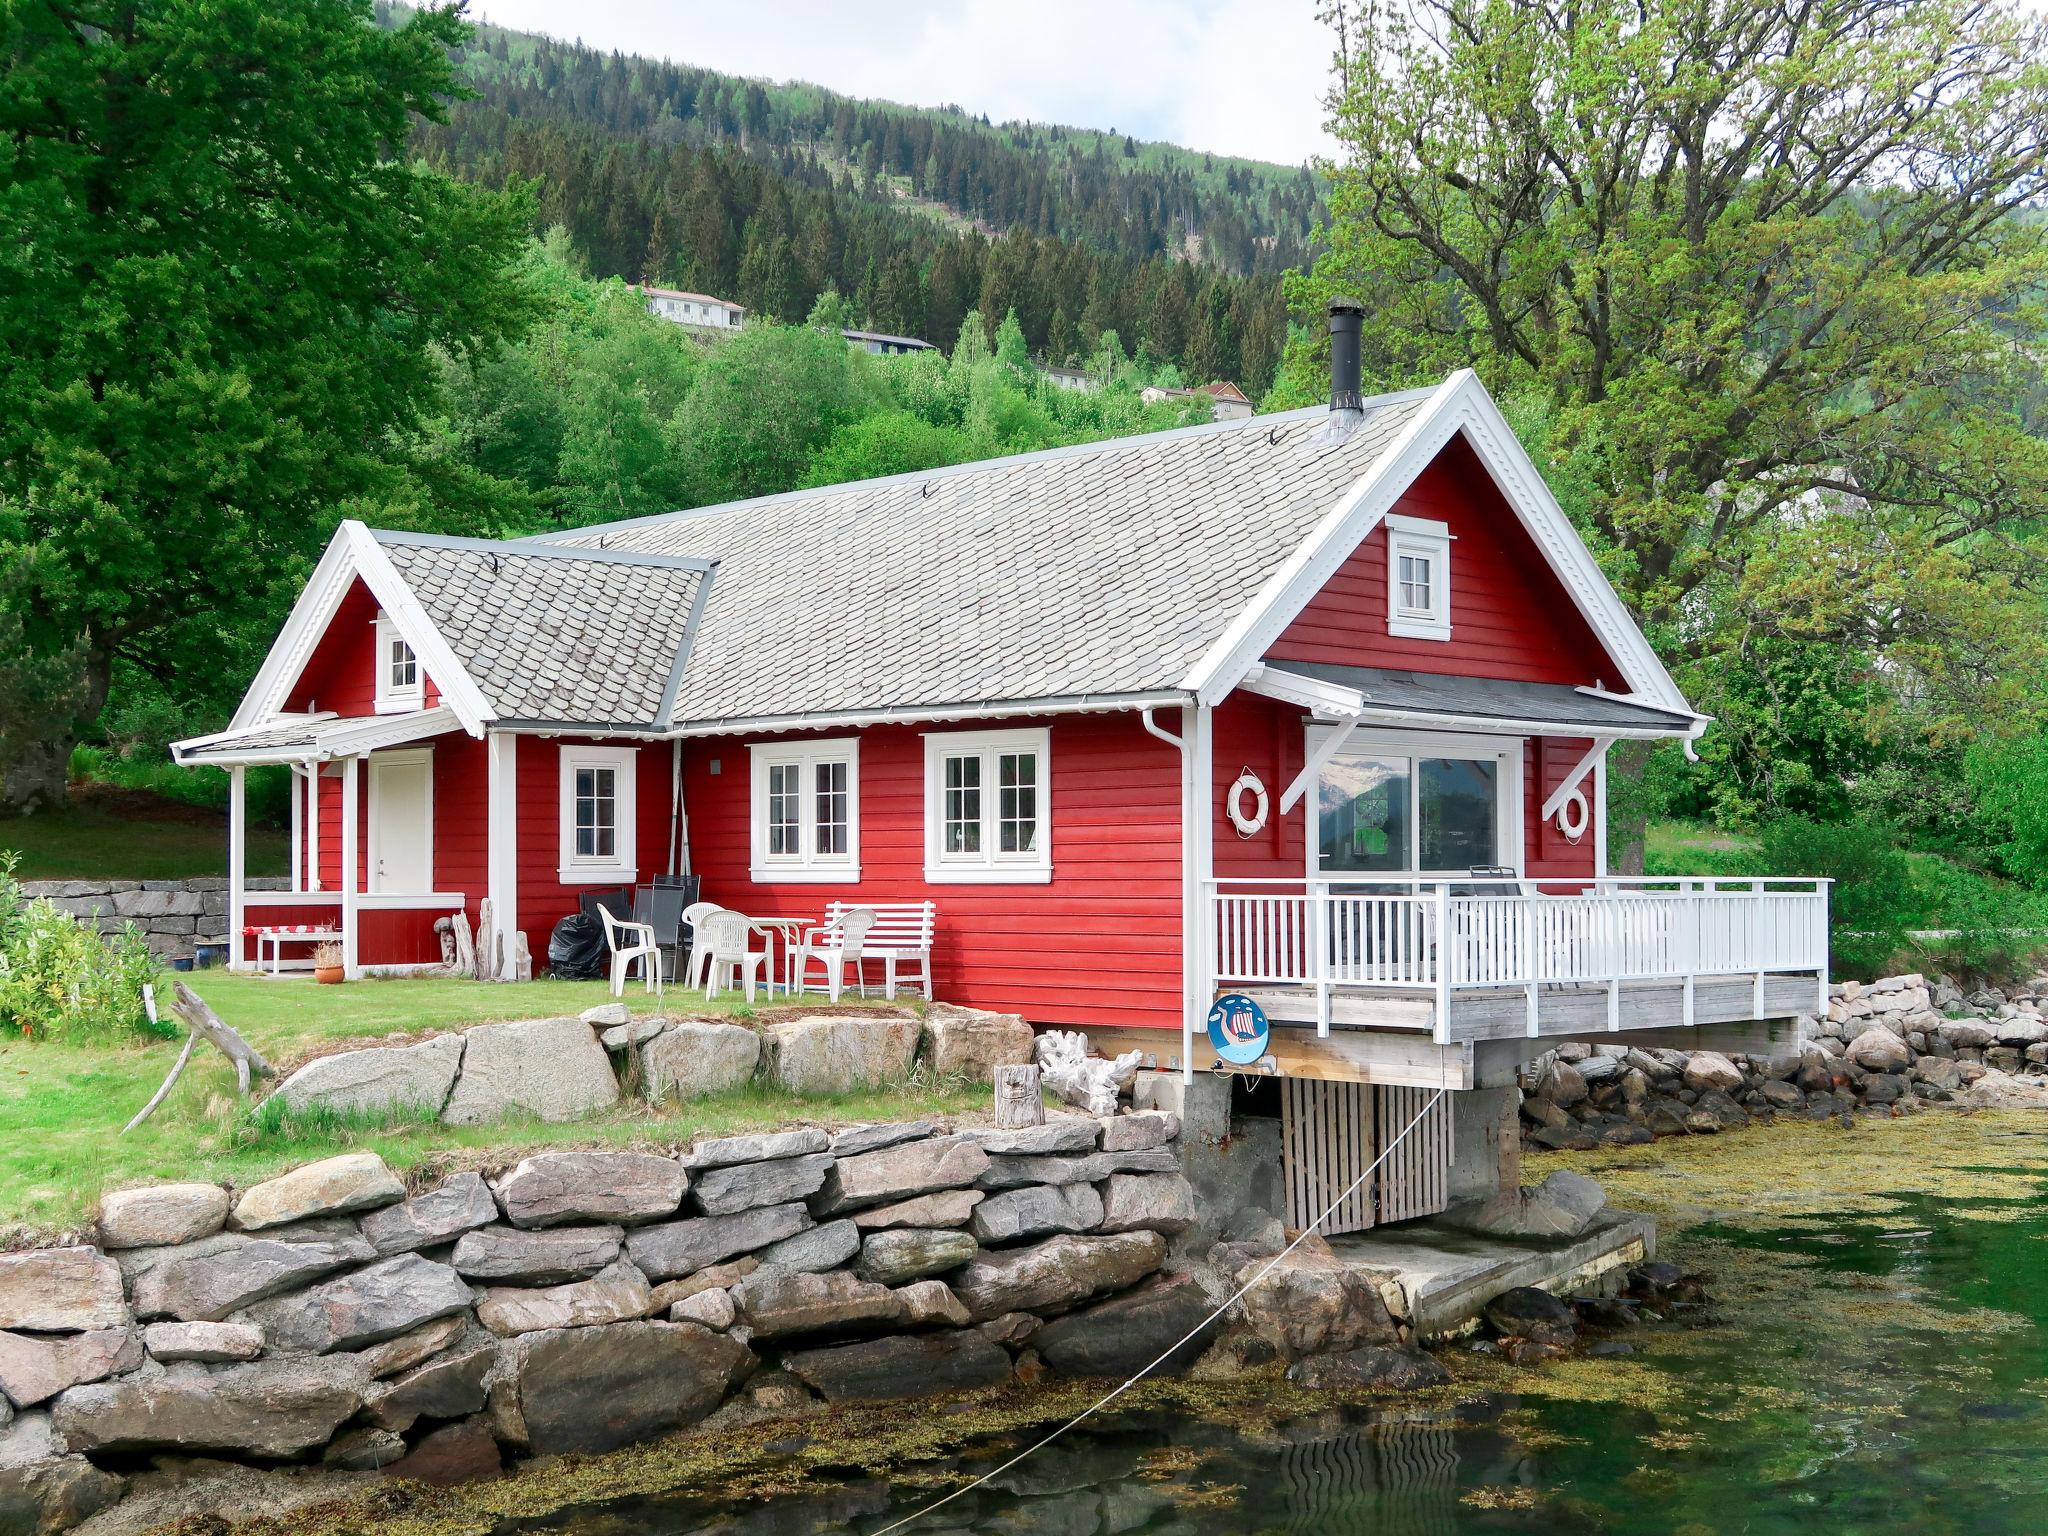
(905,714)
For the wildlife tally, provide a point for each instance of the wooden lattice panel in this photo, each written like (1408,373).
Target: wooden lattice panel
(1415,1179)
(1326,1141)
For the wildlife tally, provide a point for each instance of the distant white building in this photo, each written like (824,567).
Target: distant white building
(1226,401)
(885,345)
(1080,380)
(694,308)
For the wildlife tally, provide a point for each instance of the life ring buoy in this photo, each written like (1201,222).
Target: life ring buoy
(1248,823)
(1575,815)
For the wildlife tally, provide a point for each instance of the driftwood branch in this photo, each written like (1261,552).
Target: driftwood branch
(202,1020)
(1091,1082)
(176,1072)
(1018,1100)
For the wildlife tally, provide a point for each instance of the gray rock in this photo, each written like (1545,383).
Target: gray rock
(206,1288)
(906,1365)
(1036,1210)
(947,1208)
(1373,1367)
(271,1408)
(161,1214)
(692,1059)
(1564,1205)
(1879,1050)
(1311,1302)
(54,1493)
(439,1216)
(364,1449)
(2022,1031)
(617,1294)
(825,1057)
(61,1290)
(1562,1084)
(510,1256)
(723,1191)
(823,1247)
(551,1069)
(1138,1131)
(717,1278)
(779,1303)
(449,1386)
(1060,1133)
(725,1151)
(1123,1335)
(354,1181)
(1528,1313)
(1156,1202)
(926,1302)
(856,1139)
(366,1306)
(1710,1069)
(1782,1095)
(624,1035)
(899,1172)
(907,1253)
(1093,1168)
(678,1248)
(552,1189)
(1058,1273)
(607,1015)
(970,1043)
(584,1390)
(1972,1033)
(713,1309)
(35,1368)
(1938,1072)
(382,1079)
(206,1343)
(394,1356)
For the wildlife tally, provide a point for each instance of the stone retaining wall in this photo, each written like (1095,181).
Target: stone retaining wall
(172,914)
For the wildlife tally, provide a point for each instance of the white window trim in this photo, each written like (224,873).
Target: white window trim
(1506,750)
(390,700)
(807,866)
(1429,540)
(989,867)
(623,867)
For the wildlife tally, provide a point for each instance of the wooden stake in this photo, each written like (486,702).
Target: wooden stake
(1019,1101)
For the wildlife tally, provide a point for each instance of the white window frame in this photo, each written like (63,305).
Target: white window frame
(622,868)
(806,866)
(1425,539)
(1507,751)
(989,866)
(391,699)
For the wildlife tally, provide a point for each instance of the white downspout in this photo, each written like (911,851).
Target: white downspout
(678,823)
(1190,877)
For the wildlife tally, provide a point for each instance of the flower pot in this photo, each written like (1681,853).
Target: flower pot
(326,975)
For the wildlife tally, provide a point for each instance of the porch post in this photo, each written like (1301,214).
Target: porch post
(298,829)
(501,834)
(313,767)
(350,777)
(238,859)
(1202,776)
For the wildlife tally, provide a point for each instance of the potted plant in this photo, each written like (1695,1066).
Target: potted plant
(327,963)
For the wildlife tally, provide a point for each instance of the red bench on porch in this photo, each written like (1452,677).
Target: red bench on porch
(277,935)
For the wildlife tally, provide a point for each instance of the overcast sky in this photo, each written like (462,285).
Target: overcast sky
(1243,77)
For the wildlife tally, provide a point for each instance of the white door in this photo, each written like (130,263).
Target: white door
(402,822)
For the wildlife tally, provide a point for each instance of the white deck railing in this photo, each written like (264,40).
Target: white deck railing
(1438,936)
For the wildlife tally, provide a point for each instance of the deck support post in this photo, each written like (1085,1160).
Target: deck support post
(1614,1004)
(351,783)
(1441,1032)
(501,845)
(1319,952)
(238,861)
(312,825)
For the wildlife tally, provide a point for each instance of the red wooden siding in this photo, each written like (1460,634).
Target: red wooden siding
(1099,945)
(341,674)
(1550,854)
(543,899)
(1510,616)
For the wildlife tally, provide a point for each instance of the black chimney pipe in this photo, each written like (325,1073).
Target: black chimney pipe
(1346,316)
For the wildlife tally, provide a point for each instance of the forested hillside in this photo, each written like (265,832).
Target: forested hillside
(770,195)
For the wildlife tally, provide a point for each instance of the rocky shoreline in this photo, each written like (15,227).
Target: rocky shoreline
(1889,1047)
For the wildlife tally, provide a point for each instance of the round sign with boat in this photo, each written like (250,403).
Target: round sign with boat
(1238,1029)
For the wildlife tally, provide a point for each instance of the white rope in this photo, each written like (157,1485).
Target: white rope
(1113,1395)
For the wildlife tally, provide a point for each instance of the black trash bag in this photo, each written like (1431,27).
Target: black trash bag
(576,949)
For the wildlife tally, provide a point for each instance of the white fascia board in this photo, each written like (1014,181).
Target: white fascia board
(1329,699)
(458,690)
(293,648)
(367,735)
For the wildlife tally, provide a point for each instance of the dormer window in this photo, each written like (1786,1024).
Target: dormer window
(399,686)
(1418,578)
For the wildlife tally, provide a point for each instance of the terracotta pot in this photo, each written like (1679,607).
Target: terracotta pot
(327,975)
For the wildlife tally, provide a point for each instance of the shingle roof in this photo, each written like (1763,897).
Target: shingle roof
(1103,569)
(300,732)
(553,634)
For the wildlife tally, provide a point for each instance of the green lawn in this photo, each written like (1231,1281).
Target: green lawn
(84,842)
(62,1107)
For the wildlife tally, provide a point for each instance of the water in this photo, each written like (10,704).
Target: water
(1878,1369)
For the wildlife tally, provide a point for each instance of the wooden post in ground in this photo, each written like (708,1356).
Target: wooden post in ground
(1019,1101)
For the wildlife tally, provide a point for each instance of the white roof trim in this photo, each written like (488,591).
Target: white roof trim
(1338,703)
(1460,403)
(351,554)
(349,736)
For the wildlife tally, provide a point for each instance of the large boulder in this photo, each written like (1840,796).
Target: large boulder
(2001,1090)
(552,1189)
(552,1256)
(334,1186)
(410,1080)
(42,1490)
(208,1286)
(1706,1070)
(617,1294)
(778,1303)
(899,1172)
(742,1186)
(905,1365)
(827,1056)
(909,1253)
(969,1043)
(1311,1303)
(1529,1313)
(1121,1336)
(1373,1367)
(61,1290)
(1564,1205)
(677,1248)
(1879,1050)
(439,1216)
(160,1214)
(2022,1030)
(584,1390)
(1056,1274)
(34,1367)
(691,1059)
(1036,1210)
(1138,1202)
(365,1306)
(272,1408)
(1970,1034)
(451,1385)
(551,1069)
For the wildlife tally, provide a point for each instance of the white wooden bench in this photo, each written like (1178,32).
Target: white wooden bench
(277,935)
(901,936)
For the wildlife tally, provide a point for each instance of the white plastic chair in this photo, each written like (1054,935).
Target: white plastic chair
(629,942)
(724,937)
(700,955)
(836,946)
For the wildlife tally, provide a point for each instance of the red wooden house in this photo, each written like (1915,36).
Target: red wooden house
(1314,706)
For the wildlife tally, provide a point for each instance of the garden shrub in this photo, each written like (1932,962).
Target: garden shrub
(1874,899)
(60,979)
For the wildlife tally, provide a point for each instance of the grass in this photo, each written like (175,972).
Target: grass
(62,1107)
(98,838)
